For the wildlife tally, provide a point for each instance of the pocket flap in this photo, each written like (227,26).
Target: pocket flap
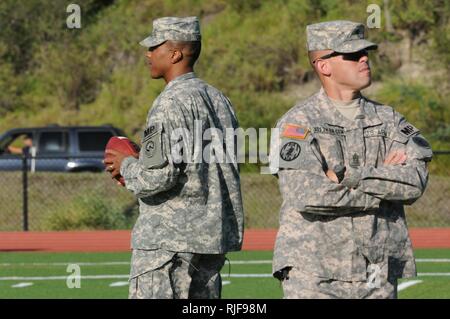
(399,138)
(144,261)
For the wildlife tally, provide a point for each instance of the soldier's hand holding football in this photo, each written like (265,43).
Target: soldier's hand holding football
(113,161)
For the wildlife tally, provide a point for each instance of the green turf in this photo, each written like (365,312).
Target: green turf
(35,264)
(430,288)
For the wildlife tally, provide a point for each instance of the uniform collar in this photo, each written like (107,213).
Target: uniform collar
(183,77)
(365,117)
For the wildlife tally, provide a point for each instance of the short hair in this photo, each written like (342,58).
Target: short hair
(191,49)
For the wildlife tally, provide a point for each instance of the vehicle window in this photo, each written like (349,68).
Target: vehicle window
(17,144)
(7,140)
(90,141)
(53,142)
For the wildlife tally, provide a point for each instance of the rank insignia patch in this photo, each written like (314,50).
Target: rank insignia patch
(290,151)
(355,161)
(295,131)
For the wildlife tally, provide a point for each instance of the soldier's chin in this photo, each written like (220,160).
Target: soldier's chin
(155,75)
(366,84)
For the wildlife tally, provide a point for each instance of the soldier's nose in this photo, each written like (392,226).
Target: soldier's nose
(364,58)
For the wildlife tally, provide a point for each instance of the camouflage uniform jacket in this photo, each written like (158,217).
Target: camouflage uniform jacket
(335,230)
(186,204)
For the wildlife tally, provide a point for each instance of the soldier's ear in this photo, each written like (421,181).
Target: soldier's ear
(177,56)
(323,67)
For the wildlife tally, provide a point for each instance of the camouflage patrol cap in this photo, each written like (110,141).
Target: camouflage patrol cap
(173,28)
(340,36)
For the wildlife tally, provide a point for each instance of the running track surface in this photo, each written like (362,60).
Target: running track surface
(119,240)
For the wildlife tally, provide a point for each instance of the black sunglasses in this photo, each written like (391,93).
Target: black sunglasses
(353,56)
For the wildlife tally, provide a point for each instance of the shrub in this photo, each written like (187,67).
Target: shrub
(90,212)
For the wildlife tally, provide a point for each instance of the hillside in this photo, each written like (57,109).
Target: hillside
(252,50)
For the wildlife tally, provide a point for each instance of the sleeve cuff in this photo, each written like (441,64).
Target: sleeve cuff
(352,178)
(125,163)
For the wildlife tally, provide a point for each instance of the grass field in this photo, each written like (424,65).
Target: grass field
(104,275)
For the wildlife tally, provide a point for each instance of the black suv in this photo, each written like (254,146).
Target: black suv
(56,148)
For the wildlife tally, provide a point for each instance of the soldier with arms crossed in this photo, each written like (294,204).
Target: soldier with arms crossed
(346,166)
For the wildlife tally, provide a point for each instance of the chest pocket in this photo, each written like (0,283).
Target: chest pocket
(375,140)
(332,148)
(396,142)
(415,146)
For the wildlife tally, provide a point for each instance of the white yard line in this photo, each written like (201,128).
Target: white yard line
(22,285)
(225,275)
(121,277)
(115,263)
(248,262)
(232,262)
(246,275)
(433,260)
(112,263)
(119,284)
(17,278)
(114,284)
(65,277)
(408,284)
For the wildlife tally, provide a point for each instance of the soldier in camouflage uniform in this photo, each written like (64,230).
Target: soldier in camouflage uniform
(346,166)
(191,210)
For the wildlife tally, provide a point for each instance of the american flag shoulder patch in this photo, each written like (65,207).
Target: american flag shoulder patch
(295,131)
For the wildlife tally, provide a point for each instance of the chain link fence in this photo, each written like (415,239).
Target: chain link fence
(43,201)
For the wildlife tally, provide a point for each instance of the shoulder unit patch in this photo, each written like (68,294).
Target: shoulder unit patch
(290,151)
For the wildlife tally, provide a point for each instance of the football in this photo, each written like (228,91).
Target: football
(123,145)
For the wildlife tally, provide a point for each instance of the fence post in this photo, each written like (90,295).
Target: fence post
(25,192)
